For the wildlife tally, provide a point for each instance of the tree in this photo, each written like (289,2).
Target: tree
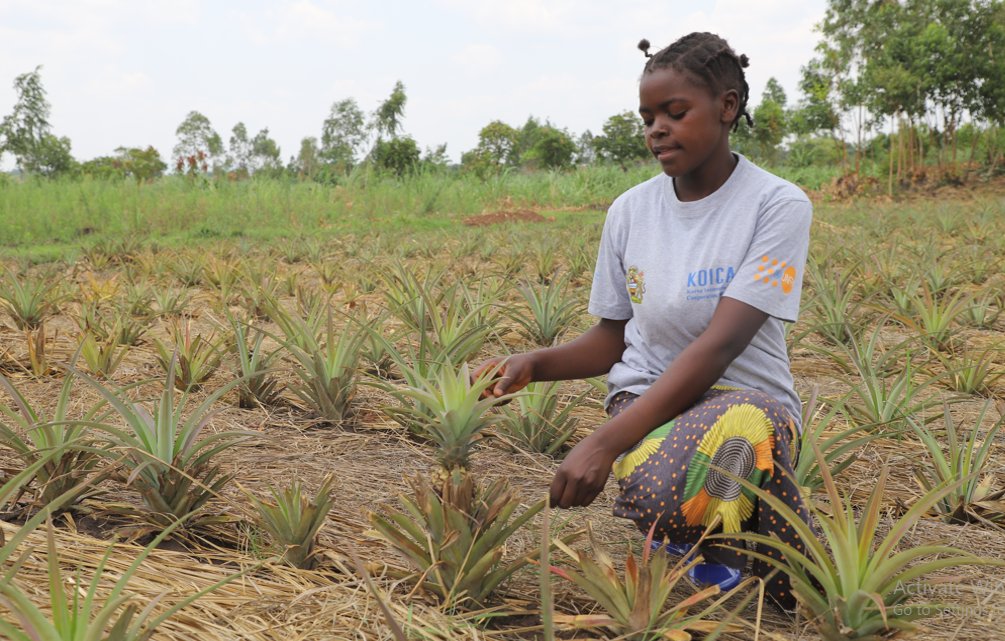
(398,155)
(102,167)
(960,78)
(770,124)
(526,137)
(499,141)
(343,134)
(239,150)
(51,157)
(307,162)
(496,149)
(817,111)
(142,164)
(478,162)
(552,149)
(920,65)
(622,140)
(533,145)
(25,132)
(841,55)
(199,146)
(586,150)
(989,102)
(387,118)
(436,157)
(265,153)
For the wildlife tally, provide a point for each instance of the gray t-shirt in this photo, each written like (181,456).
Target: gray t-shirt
(664,264)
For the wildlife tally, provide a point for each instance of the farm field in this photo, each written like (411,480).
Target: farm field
(313,345)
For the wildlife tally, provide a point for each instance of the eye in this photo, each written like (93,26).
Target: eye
(678,115)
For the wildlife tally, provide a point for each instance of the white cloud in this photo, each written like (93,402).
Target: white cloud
(112,82)
(304,20)
(168,12)
(126,72)
(477,57)
(520,15)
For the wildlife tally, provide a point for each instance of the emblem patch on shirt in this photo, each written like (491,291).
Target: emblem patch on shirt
(636,282)
(775,273)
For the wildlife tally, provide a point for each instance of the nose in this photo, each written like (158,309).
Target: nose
(659,127)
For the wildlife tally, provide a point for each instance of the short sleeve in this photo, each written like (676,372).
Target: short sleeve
(609,295)
(771,275)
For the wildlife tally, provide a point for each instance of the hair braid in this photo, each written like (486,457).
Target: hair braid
(710,60)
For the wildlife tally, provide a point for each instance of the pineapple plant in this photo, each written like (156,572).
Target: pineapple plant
(196,358)
(29,301)
(166,448)
(641,606)
(835,301)
(455,420)
(933,316)
(453,529)
(327,361)
(849,580)
(551,309)
(537,423)
(103,356)
(966,467)
(82,612)
(292,520)
(258,385)
(66,451)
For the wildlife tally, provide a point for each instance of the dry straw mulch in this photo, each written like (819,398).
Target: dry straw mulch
(371,461)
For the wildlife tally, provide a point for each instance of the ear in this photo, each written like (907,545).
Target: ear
(730,106)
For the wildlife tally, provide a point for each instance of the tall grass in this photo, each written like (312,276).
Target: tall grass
(36,211)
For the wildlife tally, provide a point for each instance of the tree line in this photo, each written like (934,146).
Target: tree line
(912,83)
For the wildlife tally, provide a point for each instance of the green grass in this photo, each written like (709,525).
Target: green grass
(48,220)
(45,216)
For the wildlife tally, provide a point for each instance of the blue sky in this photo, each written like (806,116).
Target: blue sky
(127,72)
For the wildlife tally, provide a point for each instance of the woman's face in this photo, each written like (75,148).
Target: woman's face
(685,124)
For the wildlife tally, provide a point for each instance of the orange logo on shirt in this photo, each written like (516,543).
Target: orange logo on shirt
(773,273)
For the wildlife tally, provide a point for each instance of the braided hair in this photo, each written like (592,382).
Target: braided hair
(710,60)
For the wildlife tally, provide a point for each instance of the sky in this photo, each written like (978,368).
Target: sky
(126,72)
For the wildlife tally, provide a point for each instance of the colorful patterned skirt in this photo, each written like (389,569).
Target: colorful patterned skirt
(672,477)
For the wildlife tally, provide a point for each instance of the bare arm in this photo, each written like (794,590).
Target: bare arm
(591,354)
(585,470)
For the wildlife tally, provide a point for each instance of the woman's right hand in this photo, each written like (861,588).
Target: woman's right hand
(512,374)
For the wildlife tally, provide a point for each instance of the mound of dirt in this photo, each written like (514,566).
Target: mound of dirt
(513,216)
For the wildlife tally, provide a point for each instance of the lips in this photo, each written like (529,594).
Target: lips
(663,152)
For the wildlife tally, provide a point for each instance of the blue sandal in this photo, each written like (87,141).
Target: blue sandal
(704,574)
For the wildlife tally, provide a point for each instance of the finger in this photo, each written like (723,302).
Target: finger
(590,496)
(475,375)
(557,487)
(569,495)
(481,369)
(480,372)
(502,386)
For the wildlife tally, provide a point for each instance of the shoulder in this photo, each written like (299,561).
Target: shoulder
(641,198)
(773,193)
(776,200)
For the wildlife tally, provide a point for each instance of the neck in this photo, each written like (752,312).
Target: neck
(713,175)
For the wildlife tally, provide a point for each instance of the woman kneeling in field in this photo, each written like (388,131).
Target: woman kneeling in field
(698,269)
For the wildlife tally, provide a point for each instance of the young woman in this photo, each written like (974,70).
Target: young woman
(698,269)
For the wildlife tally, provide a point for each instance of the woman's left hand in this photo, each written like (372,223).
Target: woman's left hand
(582,475)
